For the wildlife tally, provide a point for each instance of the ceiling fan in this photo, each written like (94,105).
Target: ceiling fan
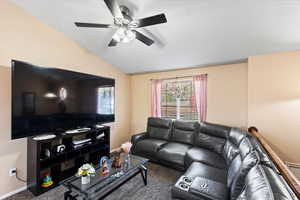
(126,25)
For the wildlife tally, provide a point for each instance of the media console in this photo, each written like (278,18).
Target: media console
(43,156)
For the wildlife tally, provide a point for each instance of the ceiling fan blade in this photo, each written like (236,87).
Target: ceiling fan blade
(141,37)
(149,21)
(114,8)
(91,25)
(113,43)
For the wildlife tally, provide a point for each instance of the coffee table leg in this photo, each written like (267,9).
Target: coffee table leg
(68,196)
(144,173)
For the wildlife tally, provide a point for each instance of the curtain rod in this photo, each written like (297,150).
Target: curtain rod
(173,77)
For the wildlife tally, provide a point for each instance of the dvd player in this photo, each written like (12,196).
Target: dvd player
(80,130)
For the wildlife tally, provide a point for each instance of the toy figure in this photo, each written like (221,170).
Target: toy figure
(47,180)
(116,161)
(104,168)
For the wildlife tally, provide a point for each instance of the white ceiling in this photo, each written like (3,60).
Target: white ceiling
(198,32)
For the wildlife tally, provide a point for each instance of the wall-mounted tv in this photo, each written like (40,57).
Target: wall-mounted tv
(49,100)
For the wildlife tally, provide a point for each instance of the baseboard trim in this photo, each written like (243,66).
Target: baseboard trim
(12,193)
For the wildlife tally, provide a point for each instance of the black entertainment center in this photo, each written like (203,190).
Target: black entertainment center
(65,164)
(62,114)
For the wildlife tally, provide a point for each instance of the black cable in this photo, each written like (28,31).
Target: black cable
(20,179)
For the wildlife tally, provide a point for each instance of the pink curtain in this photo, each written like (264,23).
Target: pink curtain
(156,98)
(199,100)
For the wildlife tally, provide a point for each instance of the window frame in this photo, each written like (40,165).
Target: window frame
(165,103)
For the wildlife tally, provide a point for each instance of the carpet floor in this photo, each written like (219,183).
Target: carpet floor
(160,181)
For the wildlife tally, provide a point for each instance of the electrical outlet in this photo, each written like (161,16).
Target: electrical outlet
(12,171)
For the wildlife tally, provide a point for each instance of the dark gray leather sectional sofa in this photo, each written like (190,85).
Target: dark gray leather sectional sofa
(218,162)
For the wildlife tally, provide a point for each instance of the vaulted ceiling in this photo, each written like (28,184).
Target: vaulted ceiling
(198,32)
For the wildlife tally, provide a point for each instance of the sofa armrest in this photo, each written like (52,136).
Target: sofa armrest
(135,138)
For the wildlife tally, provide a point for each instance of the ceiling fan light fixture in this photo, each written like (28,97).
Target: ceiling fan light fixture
(124,35)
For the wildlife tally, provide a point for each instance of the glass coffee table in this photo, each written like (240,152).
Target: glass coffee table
(101,186)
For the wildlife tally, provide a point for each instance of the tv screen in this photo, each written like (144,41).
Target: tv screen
(50,100)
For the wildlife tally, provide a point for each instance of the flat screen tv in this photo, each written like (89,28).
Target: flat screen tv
(49,100)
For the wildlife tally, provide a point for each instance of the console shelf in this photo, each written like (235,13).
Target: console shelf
(65,164)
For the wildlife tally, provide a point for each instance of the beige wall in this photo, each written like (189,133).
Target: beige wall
(265,92)
(274,100)
(24,37)
(227,94)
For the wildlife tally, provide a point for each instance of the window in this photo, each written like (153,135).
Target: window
(105,103)
(177,99)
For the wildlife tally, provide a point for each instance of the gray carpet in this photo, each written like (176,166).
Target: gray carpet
(160,181)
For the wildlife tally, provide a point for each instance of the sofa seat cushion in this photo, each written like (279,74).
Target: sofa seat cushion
(198,169)
(204,156)
(174,152)
(149,146)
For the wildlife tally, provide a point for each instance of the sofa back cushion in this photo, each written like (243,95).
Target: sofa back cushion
(159,128)
(230,151)
(211,136)
(209,142)
(239,178)
(238,164)
(236,135)
(214,129)
(262,183)
(263,156)
(233,169)
(184,131)
(245,147)
(231,147)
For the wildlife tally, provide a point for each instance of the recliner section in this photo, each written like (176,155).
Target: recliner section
(174,153)
(150,146)
(262,183)
(204,156)
(159,128)
(222,162)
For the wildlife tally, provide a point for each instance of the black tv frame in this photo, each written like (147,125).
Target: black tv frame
(13,62)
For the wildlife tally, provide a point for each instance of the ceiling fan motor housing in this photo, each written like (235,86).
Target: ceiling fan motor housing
(126,12)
